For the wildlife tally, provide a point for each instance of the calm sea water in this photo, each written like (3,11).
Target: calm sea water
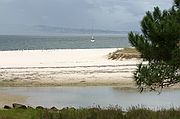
(15,42)
(93,96)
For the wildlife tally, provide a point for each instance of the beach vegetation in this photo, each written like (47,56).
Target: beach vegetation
(125,53)
(158,44)
(90,113)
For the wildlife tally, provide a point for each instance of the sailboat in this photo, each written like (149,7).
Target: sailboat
(92,39)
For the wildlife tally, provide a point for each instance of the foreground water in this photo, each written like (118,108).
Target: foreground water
(16,42)
(92,96)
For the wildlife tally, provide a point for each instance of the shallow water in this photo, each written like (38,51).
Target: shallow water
(93,96)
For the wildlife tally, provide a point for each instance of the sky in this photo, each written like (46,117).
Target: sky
(121,15)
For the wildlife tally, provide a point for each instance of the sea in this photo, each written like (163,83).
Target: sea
(70,41)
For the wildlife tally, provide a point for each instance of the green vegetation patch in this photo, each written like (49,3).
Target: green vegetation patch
(91,113)
(20,114)
(126,53)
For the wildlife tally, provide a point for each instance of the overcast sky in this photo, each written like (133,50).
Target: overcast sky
(102,14)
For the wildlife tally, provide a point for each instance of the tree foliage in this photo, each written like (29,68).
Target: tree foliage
(159,45)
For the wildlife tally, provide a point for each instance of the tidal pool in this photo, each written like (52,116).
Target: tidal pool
(93,96)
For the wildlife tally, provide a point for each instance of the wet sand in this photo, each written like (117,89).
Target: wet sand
(9,99)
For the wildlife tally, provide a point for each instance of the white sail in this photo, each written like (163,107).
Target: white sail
(92,39)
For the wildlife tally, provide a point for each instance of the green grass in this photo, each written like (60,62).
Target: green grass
(91,113)
(20,114)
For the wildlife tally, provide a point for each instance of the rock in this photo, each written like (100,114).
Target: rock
(72,108)
(19,106)
(29,107)
(68,108)
(54,109)
(40,107)
(7,107)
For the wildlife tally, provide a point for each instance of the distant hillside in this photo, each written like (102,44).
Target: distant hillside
(50,30)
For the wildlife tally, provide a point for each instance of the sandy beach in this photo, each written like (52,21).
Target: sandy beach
(65,67)
(50,68)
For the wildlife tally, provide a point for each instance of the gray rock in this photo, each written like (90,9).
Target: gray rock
(29,107)
(7,107)
(54,109)
(40,107)
(19,106)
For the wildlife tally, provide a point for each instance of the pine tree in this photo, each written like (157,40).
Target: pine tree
(159,44)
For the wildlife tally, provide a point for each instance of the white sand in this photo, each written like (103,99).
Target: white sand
(65,67)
